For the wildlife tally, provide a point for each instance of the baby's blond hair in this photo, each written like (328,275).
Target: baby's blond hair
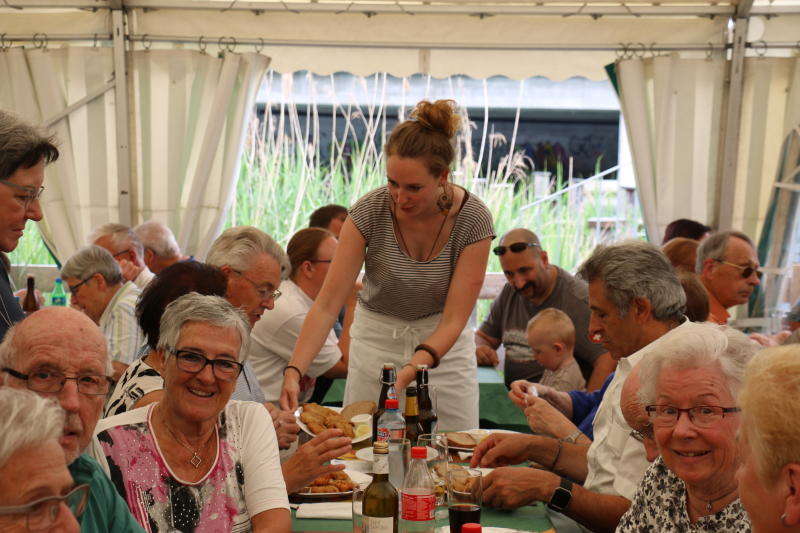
(559,326)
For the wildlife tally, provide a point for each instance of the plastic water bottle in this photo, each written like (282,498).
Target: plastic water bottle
(418,496)
(58,296)
(391,424)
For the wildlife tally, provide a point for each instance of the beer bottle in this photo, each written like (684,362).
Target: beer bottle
(381,503)
(413,427)
(30,304)
(427,415)
(388,379)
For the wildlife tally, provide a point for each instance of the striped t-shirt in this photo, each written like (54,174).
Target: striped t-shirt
(398,286)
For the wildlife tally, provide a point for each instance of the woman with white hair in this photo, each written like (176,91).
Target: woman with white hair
(769,478)
(689,385)
(37,492)
(196,461)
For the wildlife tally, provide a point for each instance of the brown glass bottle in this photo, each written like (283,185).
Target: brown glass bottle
(411,414)
(388,379)
(427,414)
(381,503)
(30,304)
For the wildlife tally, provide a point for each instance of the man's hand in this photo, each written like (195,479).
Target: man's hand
(509,488)
(501,449)
(129,270)
(486,356)
(544,418)
(520,389)
(286,427)
(309,462)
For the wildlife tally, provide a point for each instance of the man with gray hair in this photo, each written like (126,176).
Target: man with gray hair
(99,290)
(635,297)
(34,479)
(126,248)
(160,247)
(24,152)
(729,270)
(59,353)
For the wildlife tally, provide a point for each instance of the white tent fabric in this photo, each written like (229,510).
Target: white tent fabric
(191,113)
(674,113)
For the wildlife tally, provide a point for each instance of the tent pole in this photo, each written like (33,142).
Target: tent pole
(123,128)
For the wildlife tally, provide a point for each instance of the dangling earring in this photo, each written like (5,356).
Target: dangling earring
(783,520)
(444,203)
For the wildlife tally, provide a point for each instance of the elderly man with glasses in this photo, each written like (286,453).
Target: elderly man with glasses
(729,270)
(60,353)
(24,152)
(534,284)
(123,243)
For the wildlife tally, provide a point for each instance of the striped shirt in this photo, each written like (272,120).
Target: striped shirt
(119,325)
(401,287)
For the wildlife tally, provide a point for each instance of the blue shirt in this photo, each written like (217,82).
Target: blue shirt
(584,407)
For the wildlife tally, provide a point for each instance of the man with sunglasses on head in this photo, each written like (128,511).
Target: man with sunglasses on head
(59,353)
(729,270)
(99,290)
(124,244)
(534,284)
(24,152)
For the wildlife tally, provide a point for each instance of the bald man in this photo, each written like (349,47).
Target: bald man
(534,284)
(635,415)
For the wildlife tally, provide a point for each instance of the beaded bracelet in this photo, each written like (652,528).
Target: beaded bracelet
(432,351)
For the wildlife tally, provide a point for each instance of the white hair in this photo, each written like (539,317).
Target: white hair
(122,237)
(159,238)
(194,307)
(237,246)
(91,260)
(697,344)
(28,420)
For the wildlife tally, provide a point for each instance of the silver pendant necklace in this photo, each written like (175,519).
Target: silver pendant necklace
(196,459)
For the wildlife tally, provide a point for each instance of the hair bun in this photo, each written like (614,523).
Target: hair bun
(439,116)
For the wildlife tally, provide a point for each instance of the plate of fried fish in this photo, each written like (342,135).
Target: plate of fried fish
(334,484)
(313,419)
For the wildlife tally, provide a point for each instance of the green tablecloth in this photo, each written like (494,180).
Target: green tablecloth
(496,410)
(529,518)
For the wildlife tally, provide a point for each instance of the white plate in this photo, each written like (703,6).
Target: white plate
(484,529)
(355,476)
(305,428)
(476,433)
(365,454)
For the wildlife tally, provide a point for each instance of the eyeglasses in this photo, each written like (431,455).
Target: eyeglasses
(74,288)
(702,416)
(194,363)
(41,514)
(265,292)
(32,194)
(50,381)
(747,271)
(125,251)
(516,247)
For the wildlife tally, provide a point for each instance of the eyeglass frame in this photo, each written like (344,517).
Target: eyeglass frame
(32,196)
(264,293)
(747,271)
(213,362)
(28,508)
(651,410)
(64,378)
(502,249)
(73,289)
(125,251)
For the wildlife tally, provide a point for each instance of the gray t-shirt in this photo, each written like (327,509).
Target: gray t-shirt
(508,319)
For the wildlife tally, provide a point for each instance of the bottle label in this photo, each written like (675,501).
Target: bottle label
(380,463)
(418,507)
(383,434)
(391,433)
(58,300)
(378,524)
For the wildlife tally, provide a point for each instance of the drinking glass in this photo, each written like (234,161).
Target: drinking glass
(358,505)
(437,461)
(464,490)
(399,456)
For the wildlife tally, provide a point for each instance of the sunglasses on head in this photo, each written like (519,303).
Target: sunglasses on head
(516,247)
(747,271)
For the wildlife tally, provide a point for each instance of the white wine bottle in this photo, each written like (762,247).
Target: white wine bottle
(381,503)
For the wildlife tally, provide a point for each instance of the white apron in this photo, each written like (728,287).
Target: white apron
(376,339)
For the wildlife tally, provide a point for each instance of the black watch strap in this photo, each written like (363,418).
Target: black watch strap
(561,496)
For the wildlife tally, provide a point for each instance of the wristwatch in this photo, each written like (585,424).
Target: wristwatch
(561,496)
(573,437)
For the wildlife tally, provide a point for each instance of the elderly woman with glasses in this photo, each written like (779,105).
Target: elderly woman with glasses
(196,461)
(769,477)
(689,385)
(37,492)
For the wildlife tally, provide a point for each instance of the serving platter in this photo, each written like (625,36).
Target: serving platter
(356,477)
(305,428)
(478,434)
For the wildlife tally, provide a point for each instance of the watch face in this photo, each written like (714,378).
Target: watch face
(561,496)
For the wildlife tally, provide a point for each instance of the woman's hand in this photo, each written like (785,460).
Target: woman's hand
(311,459)
(519,389)
(290,391)
(406,375)
(285,423)
(544,418)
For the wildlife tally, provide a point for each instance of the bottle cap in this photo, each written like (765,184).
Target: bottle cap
(471,528)
(419,452)
(392,404)
(411,390)
(58,280)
